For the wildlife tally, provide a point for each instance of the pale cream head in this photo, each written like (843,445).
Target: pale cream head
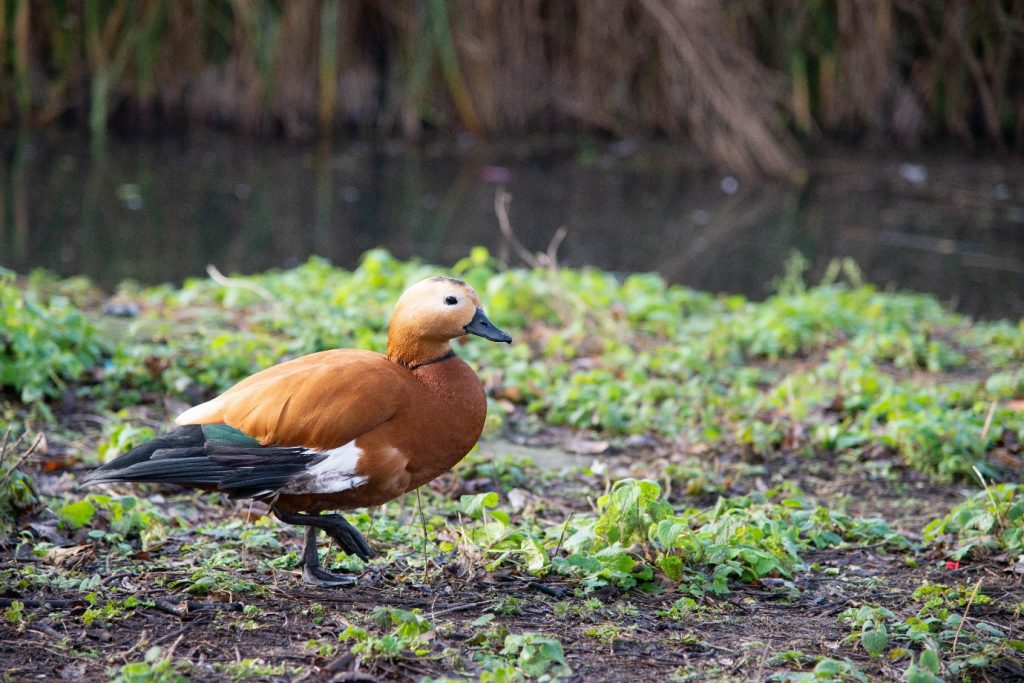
(430,314)
(437,308)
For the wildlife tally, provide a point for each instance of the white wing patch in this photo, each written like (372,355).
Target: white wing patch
(334,474)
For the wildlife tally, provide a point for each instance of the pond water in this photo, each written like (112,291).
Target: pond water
(161,210)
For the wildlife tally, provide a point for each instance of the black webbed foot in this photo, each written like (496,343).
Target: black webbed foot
(349,539)
(320,577)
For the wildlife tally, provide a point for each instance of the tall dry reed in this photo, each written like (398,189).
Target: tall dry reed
(743,81)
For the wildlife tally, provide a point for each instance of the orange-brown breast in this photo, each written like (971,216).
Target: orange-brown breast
(436,425)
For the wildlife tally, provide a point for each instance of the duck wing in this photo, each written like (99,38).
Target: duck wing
(321,401)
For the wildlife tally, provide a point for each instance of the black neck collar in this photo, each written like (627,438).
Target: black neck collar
(450,354)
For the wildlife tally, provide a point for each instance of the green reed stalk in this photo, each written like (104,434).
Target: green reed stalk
(21,61)
(437,14)
(328,64)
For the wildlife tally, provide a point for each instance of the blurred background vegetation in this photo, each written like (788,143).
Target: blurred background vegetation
(750,83)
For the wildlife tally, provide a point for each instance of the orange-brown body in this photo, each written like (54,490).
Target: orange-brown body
(437,422)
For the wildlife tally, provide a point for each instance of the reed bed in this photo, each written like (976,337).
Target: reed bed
(748,83)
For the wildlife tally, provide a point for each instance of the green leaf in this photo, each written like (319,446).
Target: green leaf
(538,654)
(916,674)
(1015,512)
(77,514)
(874,642)
(476,505)
(533,551)
(828,667)
(989,629)
(482,620)
(672,566)
(930,661)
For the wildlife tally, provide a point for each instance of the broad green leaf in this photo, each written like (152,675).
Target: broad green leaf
(930,661)
(874,642)
(476,505)
(77,514)
(918,674)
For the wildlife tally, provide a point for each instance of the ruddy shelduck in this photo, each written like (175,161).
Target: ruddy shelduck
(338,429)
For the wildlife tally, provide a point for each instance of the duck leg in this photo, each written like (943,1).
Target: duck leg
(337,527)
(311,571)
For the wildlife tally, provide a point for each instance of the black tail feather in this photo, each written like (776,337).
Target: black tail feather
(178,453)
(274,456)
(262,480)
(270,469)
(195,471)
(182,437)
(185,457)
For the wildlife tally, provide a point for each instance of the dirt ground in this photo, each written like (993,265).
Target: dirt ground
(744,635)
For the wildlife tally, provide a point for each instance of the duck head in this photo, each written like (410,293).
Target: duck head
(430,314)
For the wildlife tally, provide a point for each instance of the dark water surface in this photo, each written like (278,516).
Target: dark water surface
(158,211)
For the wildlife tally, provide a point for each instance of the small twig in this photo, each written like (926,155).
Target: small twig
(191,606)
(246,528)
(53,603)
(115,577)
(546,260)
(561,537)
(556,241)
(569,305)
(760,665)
(964,617)
(17,464)
(502,198)
(46,629)
(172,634)
(991,497)
(423,525)
(988,422)
(461,608)
(168,607)
(3,448)
(374,512)
(355,677)
(139,644)
(174,646)
(557,593)
(225,281)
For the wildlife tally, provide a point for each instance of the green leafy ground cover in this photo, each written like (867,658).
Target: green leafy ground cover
(820,486)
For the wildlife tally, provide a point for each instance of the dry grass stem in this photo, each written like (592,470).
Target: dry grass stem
(735,80)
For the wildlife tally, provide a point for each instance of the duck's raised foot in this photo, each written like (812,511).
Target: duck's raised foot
(348,538)
(337,527)
(325,579)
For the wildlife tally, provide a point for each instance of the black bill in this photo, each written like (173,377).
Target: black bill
(483,327)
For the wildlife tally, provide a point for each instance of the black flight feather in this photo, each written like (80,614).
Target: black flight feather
(182,437)
(199,455)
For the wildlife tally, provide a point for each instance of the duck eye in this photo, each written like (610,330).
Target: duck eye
(451,300)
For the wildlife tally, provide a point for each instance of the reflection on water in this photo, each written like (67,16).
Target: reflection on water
(161,210)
